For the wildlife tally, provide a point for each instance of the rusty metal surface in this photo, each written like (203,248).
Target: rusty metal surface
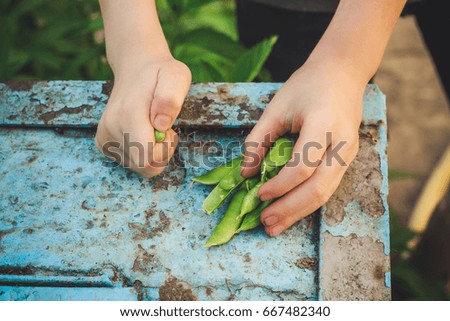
(80,103)
(69,219)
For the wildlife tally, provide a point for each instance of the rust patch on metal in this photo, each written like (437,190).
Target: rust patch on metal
(6,232)
(14,270)
(223,89)
(353,268)
(196,108)
(172,176)
(144,262)
(265,99)
(140,290)
(46,117)
(175,290)
(107,88)
(2,234)
(30,160)
(361,183)
(20,85)
(307,263)
(148,229)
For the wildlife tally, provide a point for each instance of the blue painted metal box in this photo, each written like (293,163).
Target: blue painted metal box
(75,227)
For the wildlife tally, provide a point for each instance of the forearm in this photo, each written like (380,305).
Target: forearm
(132,32)
(357,36)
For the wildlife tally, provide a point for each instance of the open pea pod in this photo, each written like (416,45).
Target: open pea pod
(252,219)
(215,175)
(279,155)
(228,226)
(251,200)
(222,191)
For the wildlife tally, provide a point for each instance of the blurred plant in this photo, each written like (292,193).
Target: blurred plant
(45,39)
(203,34)
(408,281)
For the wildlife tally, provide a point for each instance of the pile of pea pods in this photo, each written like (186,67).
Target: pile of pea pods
(245,207)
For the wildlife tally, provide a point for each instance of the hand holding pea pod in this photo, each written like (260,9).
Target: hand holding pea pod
(245,206)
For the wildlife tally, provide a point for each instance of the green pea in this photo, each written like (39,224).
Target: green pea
(219,194)
(215,175)
(159,136)
(251,200)
(228,226)
(252,219)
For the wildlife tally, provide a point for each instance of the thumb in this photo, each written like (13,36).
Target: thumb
(171,89)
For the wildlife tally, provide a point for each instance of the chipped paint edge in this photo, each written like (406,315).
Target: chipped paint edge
(375,116)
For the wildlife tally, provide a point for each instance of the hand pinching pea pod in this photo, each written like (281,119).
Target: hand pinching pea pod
(245,206)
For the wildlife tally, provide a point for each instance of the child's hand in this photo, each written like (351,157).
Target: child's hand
(147,95)
(316,100)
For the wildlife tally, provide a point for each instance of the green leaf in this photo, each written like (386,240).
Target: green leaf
(250,64)
(264,75)
(214,41)
(400,235)
(193,55)
(202,71)
(95,24)
(397,174)
(416,285)
(218,15)
(17,61)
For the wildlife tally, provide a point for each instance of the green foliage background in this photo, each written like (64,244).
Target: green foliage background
(47,39)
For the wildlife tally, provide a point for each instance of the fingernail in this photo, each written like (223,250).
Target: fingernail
(271,220)
(276,230)
(264,197)
(162,122)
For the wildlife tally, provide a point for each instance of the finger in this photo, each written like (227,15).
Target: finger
(306,157)
(305,198)
(171,90)
(260,139)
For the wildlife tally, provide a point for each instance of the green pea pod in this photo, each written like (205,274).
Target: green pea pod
(251,200)
(274,172)
(228,226)
(252,219)
(219,194)
(215,175)
(227,182)
(279,155)
(159,136)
